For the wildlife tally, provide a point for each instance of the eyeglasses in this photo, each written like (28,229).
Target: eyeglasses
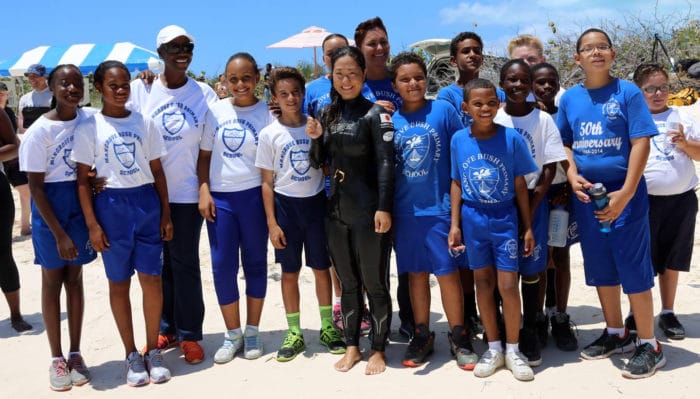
(601,48)
(664,88)
(175,48)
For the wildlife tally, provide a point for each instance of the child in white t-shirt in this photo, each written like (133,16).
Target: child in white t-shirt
(130,219)
(294,202)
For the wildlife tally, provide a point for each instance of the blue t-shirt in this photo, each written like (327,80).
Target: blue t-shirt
(487,168)
(422,151)
(598,124)
(454,95)
(318,95)
(382,90)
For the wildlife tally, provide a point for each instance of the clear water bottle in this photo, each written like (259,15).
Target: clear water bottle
(558,227)
(599,195)
(673,121)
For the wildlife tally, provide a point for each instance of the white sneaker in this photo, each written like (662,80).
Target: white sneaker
(156,369)
(228,349)
(490,361)
(515,362)
(252,346)
(136,374)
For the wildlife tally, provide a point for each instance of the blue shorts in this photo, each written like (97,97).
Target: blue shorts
(491,237)
(572,236)
(240,223)
(302,221)
(63,199)
(535,263)
(622,256)
(420,244)
(130,218)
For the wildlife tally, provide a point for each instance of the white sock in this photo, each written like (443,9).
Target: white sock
(336,300)
(71,354)
(620,332)
(234,334)
(57,358)
(251,330)
(630,314)
(496,346)
(651,341)
(511,348)
(550,311)
(666,311)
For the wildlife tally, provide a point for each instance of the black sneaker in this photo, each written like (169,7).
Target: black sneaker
(530,346)
(672,328)
(563,332)
(608,344)
(462,349)
(473,324)
(541,328)
(644,362)
(420,347)
(406,330)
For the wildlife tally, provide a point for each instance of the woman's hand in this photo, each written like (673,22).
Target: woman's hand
(313,127)
(382,222)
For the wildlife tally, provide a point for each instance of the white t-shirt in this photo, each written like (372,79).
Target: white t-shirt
(669,170)
(285,151)
(560,175)
(179,114)
(120,148)
(47,145)
(231,134)
(542,138)
(36,99)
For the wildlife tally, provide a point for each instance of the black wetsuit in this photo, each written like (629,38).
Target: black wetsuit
(359,149)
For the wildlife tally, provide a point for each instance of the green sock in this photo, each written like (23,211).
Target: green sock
(293,322)
(326,316)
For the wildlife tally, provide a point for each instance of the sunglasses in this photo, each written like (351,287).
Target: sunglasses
(664,88)
(175,48)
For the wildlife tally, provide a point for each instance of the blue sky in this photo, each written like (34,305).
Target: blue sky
(223,28)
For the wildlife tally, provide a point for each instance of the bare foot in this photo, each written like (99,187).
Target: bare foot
(376,364)
(350,358)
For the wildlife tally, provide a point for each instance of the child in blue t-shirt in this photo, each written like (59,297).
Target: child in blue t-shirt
(488,191)
(605,127)
(422,210)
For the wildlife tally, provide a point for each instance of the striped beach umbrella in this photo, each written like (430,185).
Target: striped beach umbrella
(86,56)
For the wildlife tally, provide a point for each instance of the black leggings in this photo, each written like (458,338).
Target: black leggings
(9,276)
(361,259)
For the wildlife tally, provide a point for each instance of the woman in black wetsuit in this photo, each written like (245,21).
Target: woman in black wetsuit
(355,138)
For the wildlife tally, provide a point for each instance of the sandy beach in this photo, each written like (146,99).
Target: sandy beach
(311,375)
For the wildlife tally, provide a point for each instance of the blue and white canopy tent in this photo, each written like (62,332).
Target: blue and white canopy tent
(86,56)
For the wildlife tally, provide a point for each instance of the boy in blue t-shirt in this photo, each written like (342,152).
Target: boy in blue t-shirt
(489,163)
(605,127)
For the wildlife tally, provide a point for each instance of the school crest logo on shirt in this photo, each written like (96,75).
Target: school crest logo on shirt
(300,161)
(484,179)
(416,150)
(663,143)
(125,154)
(173,122)
(67,160)
(611,109)
(233,138)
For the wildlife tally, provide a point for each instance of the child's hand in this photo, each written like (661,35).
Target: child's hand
(617,201)
(561,197)
(528,243)
(98,239)
(313,127)
(277,238)
(580,187)
(166,229)
(454,241)
(66,247)
(97,184)
(678,137)
(387,105)
(207,208)
(382,222)
(274,108)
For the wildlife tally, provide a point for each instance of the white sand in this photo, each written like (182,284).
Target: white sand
(311,375)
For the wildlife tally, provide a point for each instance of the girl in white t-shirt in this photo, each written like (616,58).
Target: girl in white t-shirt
(230,199)
(130,219)
(671,181)
(294,202)
(60,236)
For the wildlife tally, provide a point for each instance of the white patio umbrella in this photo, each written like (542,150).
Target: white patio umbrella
(310,37)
